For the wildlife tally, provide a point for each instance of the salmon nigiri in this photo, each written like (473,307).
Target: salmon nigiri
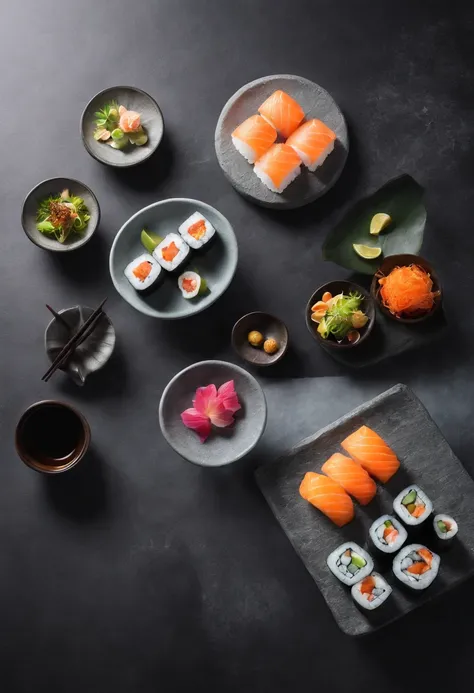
(351,477)
(326,495)
(313,142)
(254,137)
(278,167)
(372,452)
(283,112)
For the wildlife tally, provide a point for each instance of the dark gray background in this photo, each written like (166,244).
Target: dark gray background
(140,572)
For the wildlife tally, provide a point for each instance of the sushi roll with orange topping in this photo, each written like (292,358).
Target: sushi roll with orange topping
(172,253)
(143,273)
(278,167)
(313,142)
(282,112)
(253,138)
(197,231)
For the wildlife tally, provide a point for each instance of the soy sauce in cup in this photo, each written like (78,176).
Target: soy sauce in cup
(52,436)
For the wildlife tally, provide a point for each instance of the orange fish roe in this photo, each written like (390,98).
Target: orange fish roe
(169,253)
(198,229)
(408,291)
(142,270)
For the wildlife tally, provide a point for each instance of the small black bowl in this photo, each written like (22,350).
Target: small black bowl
(338,287)
(270,327)
(134,100)
(404,260)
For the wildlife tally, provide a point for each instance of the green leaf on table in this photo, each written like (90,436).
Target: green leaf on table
(402,199)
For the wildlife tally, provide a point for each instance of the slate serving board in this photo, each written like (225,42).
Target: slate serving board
(316,103)
(426,459)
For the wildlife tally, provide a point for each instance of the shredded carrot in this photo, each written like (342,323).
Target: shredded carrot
(408,291)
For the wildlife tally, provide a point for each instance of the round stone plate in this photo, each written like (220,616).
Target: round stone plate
(134,100)
(217,264)
(316,103)
(224,445)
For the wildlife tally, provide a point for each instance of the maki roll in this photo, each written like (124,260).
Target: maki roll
(371,592)
(412,505)
(143,273)
(416,566)
(349,563)
(388,534)
(197,231)
(191,284)
(445,527)
(172,252)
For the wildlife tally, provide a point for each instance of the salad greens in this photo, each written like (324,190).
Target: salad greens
(117,126)
(342,316)
(61,215)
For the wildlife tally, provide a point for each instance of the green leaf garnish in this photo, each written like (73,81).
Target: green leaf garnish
(108,117)
(337,320)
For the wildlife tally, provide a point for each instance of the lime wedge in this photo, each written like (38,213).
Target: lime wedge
(379,222)
(150,240)
(366,251)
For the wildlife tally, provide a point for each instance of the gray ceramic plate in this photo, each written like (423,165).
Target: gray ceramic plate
(316,103)
(217,265)
(54,186)
(426,459)
(224,445)
(134,100)
(89,356)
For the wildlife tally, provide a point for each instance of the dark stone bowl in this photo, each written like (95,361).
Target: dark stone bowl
(270,327)
(134,100)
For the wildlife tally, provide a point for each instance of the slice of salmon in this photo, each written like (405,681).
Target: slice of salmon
(426,555)
(372,453)
(351,477)
(312,141)
(327,496)
(283,112)
(367,585)
(278,163)
(257,133)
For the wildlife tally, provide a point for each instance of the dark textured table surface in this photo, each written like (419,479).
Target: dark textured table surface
(140,572)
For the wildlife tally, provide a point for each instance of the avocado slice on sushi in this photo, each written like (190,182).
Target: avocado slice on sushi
(409,498)
(358,561)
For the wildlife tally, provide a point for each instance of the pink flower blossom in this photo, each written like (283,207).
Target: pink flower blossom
(211,406)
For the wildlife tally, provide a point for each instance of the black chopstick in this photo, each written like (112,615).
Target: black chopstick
(76,339)
(58,316)
(71,350)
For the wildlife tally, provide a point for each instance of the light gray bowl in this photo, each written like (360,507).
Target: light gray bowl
(316,103)
(54,186)
(217,265)
(224,445)
(134,100)
(89,356)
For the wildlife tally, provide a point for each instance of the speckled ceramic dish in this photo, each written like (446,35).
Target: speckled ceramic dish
(224,445)
(316,103)
(89,356)
(216,265)
(270,327)
(54,186)
(134,100)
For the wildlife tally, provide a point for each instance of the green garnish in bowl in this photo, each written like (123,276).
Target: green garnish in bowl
(117,126)
(338,320)
(61,215)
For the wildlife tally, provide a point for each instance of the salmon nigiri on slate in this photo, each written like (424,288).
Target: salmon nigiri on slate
(370,450)
(351,477)
(327,496)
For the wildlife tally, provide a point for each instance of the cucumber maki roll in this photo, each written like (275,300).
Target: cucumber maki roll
(416,566)
(412,505)
(388,534)
(350,563)
(445,527)
(371,592)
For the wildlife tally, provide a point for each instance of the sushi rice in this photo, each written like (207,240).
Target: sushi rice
(445,527)
(172,252)
(412,505)
(197,231)
(350,563)
(371,592)
(416,566)
(143,272)
(388,534)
